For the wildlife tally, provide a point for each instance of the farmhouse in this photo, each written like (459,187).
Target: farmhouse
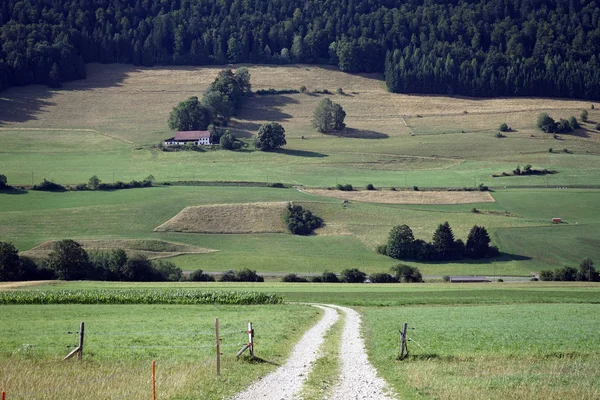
(184,137)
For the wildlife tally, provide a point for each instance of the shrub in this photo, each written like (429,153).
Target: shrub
(382,277)
(547,275)
(303,89)
(353,275)
(346,188)
(500,280)
(382,249)
(416,188)
(316,279)
(573,124)
(49,186)
(406,273)
(277,185)
(277,91)
(446,278)
(168,271)
(504,127)
(329,277)
(3,181)
(247,275)
(500,135)
(550,150)
(300,221)
(474,210)
(393,189)
(340,91)
(483,188)
(370,187)
(583,116)
(598,127)
(200,276)
(293,278)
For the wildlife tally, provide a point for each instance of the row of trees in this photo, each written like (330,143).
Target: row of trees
(402,245)
(586,272)
(399,273)
(220,102)
(547,124)
(481,48)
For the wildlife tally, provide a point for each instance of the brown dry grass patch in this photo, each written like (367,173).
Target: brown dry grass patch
(18,285)
(406,197)
(228,218)
(152,249)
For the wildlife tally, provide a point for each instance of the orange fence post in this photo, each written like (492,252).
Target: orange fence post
(3,395)
(154,380)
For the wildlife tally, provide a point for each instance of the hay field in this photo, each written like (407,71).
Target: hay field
(406,197)
(153,249)
(228,218)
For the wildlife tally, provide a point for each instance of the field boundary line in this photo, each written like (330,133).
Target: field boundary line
(69,130)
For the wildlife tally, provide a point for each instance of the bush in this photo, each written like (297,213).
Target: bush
(300,221)
(278,91)
(168,271)
(598,127)
(330,277)
(340,91)
(446,278)
(200,276)
(293,278)
(500,135)
(547,275)
(416,188)
(316,279)
(277,185)
(504,127)
(573,123)
(406,273)
(3,181)
(229,142)
(353,275)
(482,188)
(382,249)
(346,188)
(370,187)
(303,89)
(500,280)
(244,275)
(583,116)
(382,277)
(49,186)
(550,150)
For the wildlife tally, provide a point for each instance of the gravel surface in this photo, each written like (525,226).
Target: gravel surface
(287,380)
(358,378)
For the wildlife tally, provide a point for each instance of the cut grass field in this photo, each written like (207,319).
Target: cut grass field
(406,197)
(122,341)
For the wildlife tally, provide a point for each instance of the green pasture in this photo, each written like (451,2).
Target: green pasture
(510,351)
(518,222)
(122,341)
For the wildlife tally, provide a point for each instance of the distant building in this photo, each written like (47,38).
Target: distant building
(468,279)
(184,137)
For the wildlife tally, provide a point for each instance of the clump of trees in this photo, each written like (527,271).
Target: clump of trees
(301,221)
(244,275)
(345,188)
(49,186)
(14,267)
(3,182)
(586,272)
(402,245)
(270,137)
(200,276)
(329,117)
(293,278)
(223,98)
(547,124)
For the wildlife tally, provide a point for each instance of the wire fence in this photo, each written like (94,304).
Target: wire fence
(113,381)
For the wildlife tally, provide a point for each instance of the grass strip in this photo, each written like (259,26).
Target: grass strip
(326,370)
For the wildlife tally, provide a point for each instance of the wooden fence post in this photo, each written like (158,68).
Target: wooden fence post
(3,395)
(251,339)
(154,380)
(218,346)
(403,347)
(81,336)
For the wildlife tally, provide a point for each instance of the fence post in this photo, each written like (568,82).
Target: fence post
(403,347)
(3,395)
(218,346)
(81,336)
(251,339)
(154,380)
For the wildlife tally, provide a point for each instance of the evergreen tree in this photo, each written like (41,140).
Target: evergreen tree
(400,244)
(443,241)
(478,242)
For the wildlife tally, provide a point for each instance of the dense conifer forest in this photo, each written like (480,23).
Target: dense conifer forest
(467,47)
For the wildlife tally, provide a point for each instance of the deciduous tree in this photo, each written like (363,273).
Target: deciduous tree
(270,136)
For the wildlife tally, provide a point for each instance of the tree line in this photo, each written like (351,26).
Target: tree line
(398,273)
(469,47)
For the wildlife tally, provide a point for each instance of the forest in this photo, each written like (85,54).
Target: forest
(466,47)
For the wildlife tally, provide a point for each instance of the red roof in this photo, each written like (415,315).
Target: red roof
(191,135)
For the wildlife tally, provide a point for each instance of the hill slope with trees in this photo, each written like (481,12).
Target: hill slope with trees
(468,47)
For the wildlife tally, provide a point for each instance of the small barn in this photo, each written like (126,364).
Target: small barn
(468,279)
(556,220)
(184,137)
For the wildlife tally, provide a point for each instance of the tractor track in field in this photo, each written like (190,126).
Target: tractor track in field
(357,379)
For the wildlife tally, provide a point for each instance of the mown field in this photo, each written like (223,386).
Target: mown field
(530,340)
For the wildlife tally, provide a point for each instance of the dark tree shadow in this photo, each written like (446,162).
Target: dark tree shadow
(300,153)
(243,129)
(13,190)
(502,257)
(581,132)
(258,360)
(266,108)
(359,134)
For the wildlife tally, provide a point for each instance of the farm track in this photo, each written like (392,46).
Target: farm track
(358,379)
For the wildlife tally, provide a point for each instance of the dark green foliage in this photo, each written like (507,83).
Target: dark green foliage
(226,94)
(443,242)
(370,187)
(293,278)
(215,133)
(353,275)
(328,116)
(400,243)
(546,123)
(138,296)
(346,188)
(316,279)
(584,115)
(573,122)
(49,186)
(446,278)
(566,274)
(478,243)
(330,277)
(406,273)
(278,185)
(300,221)
(598,127)
(279,91)
(69,260)
(200,276)
(270,136)
(587,272)
(190,115)
(229,142)
(416,188)
(382,249)
(94,182)
(500,135)
(244,275)
(10,262)
(547,275)
(504,127)
(3,181)
(382,277)
(168,271)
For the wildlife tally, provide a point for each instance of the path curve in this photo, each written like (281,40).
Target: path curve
(286,381)
(358,378)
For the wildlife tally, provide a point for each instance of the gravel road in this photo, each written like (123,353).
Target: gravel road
(287,380)
(358,379)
